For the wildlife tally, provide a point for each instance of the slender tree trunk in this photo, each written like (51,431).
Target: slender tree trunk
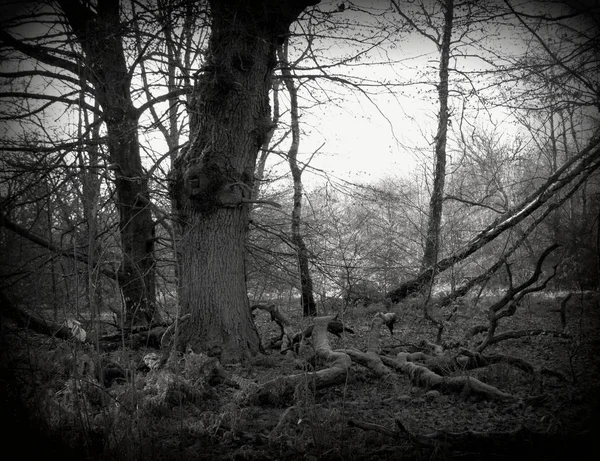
(100,35)
(432,241)
(309,307)
(259,174)
(212,179)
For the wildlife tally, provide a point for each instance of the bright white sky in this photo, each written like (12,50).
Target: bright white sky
(360,142)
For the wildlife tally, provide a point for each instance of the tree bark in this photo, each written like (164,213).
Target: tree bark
(309,308)
(213,178)
(432,241)
(100,36)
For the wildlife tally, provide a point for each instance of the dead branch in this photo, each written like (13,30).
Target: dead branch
(507,305)
(20,230)
(31,321)
(581,166)
(335,327)
(281,320)
(424,377)
(167,337)
(146,338)
(476,360)
(475,331)
(373,343)
(373,427)
(371,358)
(162,215)
(485,276)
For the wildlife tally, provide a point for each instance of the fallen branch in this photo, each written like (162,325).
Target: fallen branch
(582,165)
(20,230)
(147,338)
(335,327)
(477,329)
(338,363)
(374,427)
(281,320)
(507,305)
(477,360)
(31,321)
(371,358)
(424,377)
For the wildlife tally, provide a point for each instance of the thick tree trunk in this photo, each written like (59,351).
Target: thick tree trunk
(212,179)
(100,35)
(432,241)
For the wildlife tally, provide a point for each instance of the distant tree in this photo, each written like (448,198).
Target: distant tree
(545,73)
(441,36)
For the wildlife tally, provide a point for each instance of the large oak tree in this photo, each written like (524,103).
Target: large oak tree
(212,178)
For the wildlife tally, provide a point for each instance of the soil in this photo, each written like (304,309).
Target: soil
(52,394)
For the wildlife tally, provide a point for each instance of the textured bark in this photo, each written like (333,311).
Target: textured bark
(432,241)
(213,178)
(100,36)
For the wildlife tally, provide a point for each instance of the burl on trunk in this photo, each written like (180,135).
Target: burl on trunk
(212,178)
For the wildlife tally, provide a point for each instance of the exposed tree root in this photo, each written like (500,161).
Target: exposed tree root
(337,362)
(371,358)
(514,334)
(476,360)
(335,327)
(473,331)
(467,360)
(282,321)
(424,377)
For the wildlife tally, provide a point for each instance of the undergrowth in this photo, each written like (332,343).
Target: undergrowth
(58,393)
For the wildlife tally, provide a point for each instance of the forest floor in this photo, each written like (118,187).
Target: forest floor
(146,417)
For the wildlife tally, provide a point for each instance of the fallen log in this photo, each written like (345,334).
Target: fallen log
(32,321)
